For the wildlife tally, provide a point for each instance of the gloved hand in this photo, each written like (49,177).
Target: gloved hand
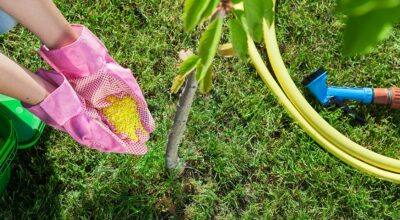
(110,91)
(64,110)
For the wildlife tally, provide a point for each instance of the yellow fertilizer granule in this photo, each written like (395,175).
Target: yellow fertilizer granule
(123,114)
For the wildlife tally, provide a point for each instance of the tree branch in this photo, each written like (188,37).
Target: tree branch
(181,117)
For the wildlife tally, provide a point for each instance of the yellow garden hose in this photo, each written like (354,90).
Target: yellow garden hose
(313,117)
(322,132)
(291,109)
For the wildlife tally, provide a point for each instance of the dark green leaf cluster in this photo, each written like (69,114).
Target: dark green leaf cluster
(368,22)
(244,23)
(195,12)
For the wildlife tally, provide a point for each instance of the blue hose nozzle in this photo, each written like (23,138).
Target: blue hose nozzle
(317,85)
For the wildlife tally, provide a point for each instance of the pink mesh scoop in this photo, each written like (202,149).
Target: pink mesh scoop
(110,91)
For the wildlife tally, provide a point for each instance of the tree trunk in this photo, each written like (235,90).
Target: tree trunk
(181,117)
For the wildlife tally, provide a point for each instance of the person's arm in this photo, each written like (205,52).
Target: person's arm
(43,19)
(20,83)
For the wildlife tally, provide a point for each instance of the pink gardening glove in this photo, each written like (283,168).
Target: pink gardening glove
(109,90)
(64,110)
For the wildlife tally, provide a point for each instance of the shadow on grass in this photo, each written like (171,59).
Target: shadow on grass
(33,189)
(382,112)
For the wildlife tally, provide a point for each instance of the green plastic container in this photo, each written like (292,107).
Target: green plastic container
(28,127)
(8,148)
(19,129)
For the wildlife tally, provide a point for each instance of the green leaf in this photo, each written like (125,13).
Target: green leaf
(185,68)
(189,65)
(208,46)
(177,83)
(255,11)
(205,85)
(236,1)
(254,14)
(210,9)
(361,7)
(239,14)
(364,32)
(238,38)
(192,13)
(269,13)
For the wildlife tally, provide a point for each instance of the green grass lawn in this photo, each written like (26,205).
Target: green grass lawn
(246,157)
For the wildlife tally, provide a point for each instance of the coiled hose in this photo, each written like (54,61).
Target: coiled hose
(301,111)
